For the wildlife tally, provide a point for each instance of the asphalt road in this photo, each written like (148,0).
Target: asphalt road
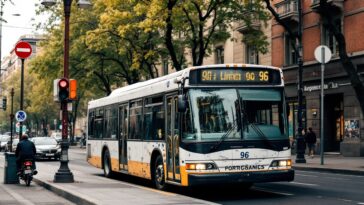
(309,187)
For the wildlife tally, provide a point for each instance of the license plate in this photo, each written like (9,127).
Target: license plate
(48,155)
(27,171)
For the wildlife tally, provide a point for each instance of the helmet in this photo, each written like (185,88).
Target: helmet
(24,136)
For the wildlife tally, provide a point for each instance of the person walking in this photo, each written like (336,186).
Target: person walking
(83,139)
(310,138)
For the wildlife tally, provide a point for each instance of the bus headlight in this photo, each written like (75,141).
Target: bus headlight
(281,163)
(200,166)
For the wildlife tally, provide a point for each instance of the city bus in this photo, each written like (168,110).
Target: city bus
(214,124)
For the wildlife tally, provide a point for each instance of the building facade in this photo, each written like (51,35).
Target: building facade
(343,119)
(11,62)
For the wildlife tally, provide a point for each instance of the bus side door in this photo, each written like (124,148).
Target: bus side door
(173,136)
(123,131)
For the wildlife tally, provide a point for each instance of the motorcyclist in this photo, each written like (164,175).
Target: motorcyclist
(25,150)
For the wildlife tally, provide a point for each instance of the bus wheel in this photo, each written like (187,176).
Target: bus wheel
(158,174)
(107,164)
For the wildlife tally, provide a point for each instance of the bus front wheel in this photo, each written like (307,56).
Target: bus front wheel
(107,164)
(158,173)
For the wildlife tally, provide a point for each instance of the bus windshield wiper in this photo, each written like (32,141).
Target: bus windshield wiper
(223,137)
(256,129)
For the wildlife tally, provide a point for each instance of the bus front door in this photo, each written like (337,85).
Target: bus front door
(123,130)
(173,135)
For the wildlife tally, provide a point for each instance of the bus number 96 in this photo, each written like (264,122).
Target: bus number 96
(263,76)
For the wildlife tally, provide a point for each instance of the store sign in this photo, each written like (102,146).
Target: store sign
(330,85)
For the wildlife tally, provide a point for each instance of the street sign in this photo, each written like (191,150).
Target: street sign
(24,128)
(323,51)
(23,49)
(20,116)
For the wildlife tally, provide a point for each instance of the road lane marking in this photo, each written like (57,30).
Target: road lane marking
(273,192)
(305,184)
(17,197)
(360,203)
(305,175)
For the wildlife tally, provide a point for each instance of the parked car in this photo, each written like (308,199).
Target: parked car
(57,136)
(47,147)
(15,143)
(4,140)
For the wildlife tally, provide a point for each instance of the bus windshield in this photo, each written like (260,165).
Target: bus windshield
(234,114)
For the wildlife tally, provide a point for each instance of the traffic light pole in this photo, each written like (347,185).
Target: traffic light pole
(64,174)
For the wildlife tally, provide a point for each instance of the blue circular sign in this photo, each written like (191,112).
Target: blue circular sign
(20,116)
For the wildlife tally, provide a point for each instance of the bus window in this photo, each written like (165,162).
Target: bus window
(154,118)
(91,123)
(111,123)
(136,120)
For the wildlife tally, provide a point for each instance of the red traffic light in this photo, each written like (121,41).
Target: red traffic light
(63,92)
(63,83)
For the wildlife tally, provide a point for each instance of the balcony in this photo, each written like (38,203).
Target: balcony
(287,11)
(337,5)
(244,27)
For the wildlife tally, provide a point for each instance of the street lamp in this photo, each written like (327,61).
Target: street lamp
(64,175)
(301,146)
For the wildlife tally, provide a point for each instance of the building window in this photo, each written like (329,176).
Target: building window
(219,55)
(290,53)
(252,55)
(329,38)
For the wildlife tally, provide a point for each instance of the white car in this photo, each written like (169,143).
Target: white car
(4,140)
(57,136)
(15,143)
(47,147)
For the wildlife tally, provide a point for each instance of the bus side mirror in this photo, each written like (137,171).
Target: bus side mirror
(182,103)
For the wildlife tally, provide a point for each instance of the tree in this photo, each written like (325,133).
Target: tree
(194,26)
(327,15)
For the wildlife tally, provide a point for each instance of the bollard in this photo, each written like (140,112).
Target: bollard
(10,176)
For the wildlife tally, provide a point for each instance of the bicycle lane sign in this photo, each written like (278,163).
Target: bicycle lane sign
(21,116)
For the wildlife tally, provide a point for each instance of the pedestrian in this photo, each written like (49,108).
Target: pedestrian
(83,139)
(310,138)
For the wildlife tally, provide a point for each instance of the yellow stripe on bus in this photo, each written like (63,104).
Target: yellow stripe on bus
(95,161)
(184,176)
(139,169)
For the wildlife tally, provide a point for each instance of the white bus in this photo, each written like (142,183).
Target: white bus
(207,124)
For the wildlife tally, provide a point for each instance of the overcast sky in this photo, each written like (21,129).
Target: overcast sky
(16,26)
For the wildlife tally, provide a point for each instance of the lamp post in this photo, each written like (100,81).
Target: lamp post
(300,157)
(64,175)
(11,119)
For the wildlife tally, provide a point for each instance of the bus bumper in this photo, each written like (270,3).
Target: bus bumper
(242,177)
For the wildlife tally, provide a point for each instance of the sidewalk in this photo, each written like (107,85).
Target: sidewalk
(334,163)
(94,189)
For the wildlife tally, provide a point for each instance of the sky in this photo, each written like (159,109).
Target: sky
(16,26)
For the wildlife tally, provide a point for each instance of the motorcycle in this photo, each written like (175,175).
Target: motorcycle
(27,172)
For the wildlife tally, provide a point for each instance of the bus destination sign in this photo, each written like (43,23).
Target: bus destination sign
(249,76)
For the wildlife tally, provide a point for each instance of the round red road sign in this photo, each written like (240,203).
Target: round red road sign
(23,49)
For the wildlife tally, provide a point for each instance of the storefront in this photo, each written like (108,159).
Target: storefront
(343,122)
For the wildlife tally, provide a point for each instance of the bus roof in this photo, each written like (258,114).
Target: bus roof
(160,85)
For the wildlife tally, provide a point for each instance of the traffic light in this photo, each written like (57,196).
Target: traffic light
(63,89)
(73,89)
(4,103)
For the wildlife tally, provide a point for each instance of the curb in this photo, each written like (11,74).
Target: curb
(63,193)
(336,171)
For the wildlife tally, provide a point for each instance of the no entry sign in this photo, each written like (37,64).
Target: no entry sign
(23,49)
